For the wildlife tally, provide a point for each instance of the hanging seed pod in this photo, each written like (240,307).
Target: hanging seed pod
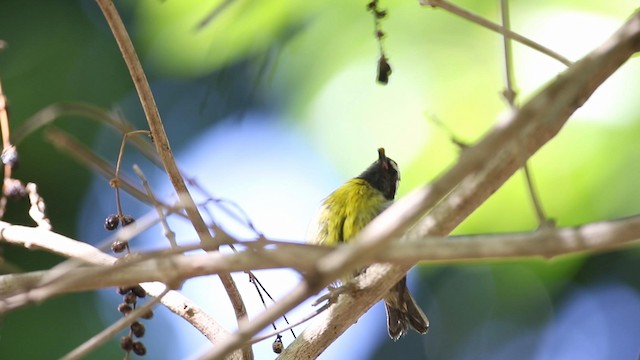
(277,345)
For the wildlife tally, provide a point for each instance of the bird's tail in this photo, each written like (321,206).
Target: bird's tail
(403,312)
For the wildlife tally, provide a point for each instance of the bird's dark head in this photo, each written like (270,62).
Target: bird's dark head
(383,175)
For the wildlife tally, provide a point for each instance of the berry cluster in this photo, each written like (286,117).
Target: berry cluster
(130,297)
(111,223)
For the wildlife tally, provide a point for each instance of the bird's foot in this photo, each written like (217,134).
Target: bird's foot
(334,293)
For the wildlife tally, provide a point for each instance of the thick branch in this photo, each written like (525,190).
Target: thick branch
(545,243)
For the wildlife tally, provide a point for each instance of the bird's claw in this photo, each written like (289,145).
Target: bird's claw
(334,293)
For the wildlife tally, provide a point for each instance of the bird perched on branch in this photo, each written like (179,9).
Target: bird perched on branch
(349,209)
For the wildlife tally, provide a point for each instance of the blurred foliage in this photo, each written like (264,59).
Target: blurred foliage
(314,63)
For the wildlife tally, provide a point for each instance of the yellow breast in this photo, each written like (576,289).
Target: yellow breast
(346,211)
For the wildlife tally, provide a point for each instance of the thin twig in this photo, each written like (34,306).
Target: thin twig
(255,278)
(543,220)
(85,156)
(510,95)
(217,10)
(115,182)
(445,5)
(168,233)
(310,316)
(164,149)
(53,112)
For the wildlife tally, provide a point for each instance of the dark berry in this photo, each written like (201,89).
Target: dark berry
(139,349)
(124,289)
(111,222)
(127,220)
(139,291)
(148,315)
(130,298)
(125,308)
(119,246)
(137,329)
(126,343)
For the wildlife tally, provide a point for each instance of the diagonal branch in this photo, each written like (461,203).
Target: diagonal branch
(465,14)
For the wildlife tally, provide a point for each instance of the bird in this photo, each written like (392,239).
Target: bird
(348,210)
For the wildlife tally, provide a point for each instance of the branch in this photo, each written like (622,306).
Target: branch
(546,243)
(465,14)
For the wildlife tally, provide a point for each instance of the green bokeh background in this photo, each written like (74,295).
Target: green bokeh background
(314,62)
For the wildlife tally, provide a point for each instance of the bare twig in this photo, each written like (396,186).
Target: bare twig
(509,92)
(85,156)
(510,96)
(115,181)
(445,5)
(543,220)
(217,10)
(164,149)
(310,316)
(53,112)
(168,233)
